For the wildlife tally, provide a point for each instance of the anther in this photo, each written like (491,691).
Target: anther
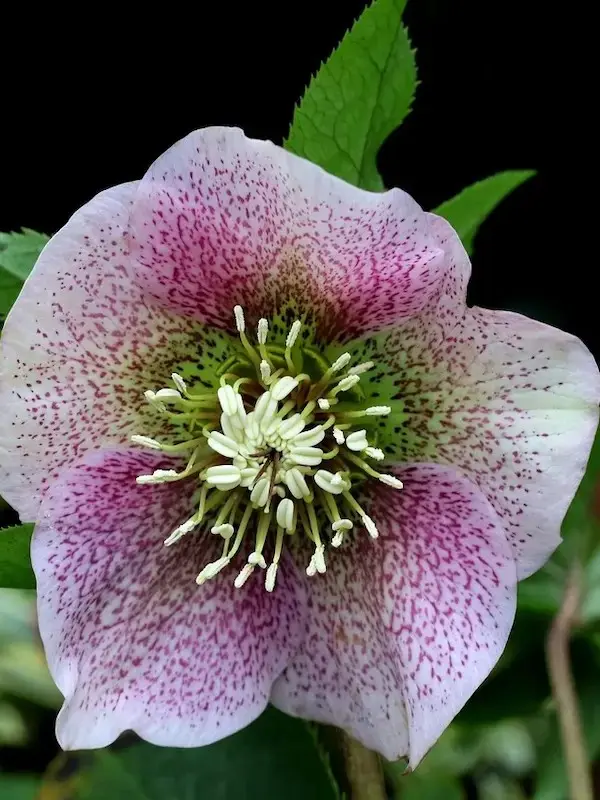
(210,570)
(179,383)
(293,334)
(265,371)
(375,452)
(245,573)
(262,331)
(340,363)
(390,480)
(240,322)
(225,530)
(338,435)
(146,441)
(360,368)
(357,440)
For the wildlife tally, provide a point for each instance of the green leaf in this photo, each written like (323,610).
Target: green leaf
(18,254)
(358,97)
(9,291)
(473,205)
(19,787)
(19,251)
(272,758)
(15,563)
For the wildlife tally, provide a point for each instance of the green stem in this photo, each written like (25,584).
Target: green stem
(363,770)
(563,690)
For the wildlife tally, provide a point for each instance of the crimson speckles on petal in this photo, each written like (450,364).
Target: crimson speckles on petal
(222,219)
(130,639)
(485,417)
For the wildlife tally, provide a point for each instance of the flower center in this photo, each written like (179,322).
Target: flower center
(277,451)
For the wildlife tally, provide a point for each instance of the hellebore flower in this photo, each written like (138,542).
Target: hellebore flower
(273,456)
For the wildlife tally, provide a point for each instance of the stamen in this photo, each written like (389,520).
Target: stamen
(225,530)
(283,387)
(334,484)
(293,334)
(306,456)
(179,383)
(378,411)
(212,569)
(180,531)
(257,560)
(224,477)
(239,318)
(265,372)
(342,525)
(340,363)
(357,440)
(310,437)
(262,331)
(245,573)
(296,483)
(223,444)
(227,399)
(372,411)
(375,452)
(360,368)
(168,395)
(158,476)
(391,480)
(260,493)
(241,326)
(370,526)
(345,384)
(324,403)
(285,514)
(338,435)
(146,441)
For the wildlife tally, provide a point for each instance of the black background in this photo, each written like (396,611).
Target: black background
(93,98)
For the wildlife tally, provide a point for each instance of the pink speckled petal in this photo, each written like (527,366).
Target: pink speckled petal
(78,349)
(131,640)
(510,401)
(222,219)
(404,628)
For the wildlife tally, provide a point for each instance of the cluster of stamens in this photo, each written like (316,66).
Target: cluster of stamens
(274,450)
